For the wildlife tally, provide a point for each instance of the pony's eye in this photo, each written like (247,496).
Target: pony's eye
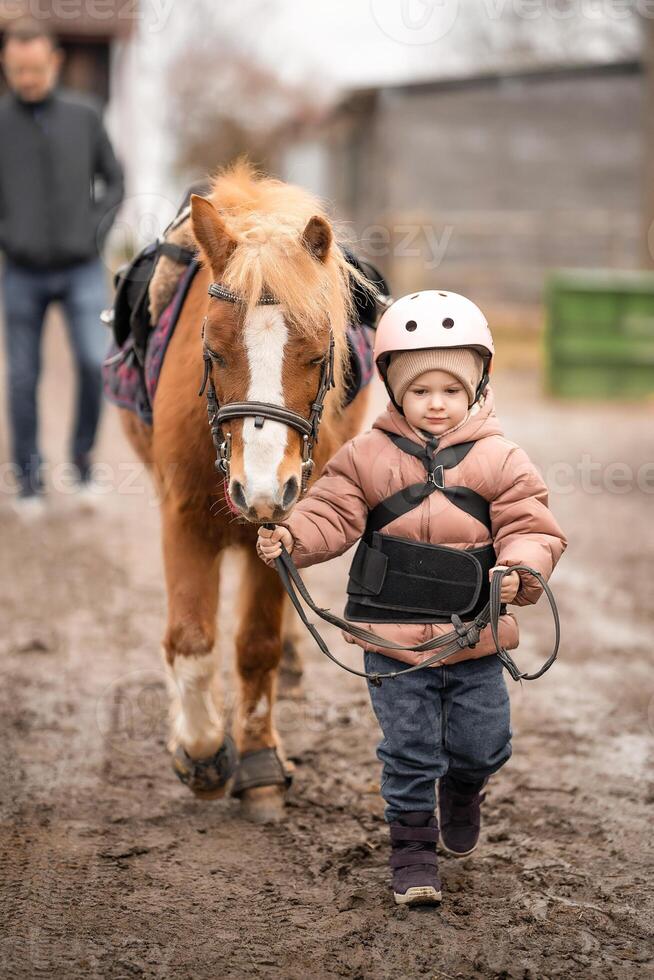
(317,361)
(216,357)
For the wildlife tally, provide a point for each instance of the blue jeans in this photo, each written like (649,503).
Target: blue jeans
(435,721)
(82,291)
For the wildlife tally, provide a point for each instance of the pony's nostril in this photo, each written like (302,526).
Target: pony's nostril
(291,490)
(237,494)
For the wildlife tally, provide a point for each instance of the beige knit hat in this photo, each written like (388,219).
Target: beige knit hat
(463,362)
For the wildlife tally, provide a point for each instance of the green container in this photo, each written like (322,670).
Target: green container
(600,333)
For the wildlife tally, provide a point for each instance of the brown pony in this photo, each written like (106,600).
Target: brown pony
(257,237)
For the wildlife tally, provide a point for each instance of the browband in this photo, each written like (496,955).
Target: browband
(219,291)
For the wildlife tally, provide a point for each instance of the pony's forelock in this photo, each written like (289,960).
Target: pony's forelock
(266,218)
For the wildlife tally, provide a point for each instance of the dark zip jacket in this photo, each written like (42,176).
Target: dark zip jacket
(52,213)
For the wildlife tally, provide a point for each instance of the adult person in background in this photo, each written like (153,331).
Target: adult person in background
(53,149)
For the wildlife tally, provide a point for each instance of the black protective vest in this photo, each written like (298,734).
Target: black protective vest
(398,580)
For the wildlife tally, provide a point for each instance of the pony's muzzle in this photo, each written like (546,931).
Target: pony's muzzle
(265,507)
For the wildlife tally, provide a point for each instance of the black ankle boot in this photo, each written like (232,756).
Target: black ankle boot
(413,859)
(459,808)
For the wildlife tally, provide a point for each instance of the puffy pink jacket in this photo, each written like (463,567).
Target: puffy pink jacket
(368,468)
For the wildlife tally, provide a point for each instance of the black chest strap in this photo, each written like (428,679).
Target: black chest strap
(435,464)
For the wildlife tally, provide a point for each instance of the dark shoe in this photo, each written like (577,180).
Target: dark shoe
(29,502)
(30,484)
(84,470)
(87,489)
(413,859)
(459,809)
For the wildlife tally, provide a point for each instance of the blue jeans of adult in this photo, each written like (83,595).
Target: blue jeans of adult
(453,719)
(82,290)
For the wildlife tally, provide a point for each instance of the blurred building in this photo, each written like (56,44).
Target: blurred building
(484,183)
(508,146)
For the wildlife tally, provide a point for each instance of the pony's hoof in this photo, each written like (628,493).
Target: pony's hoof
(263,804)
(261,783)
(207,778)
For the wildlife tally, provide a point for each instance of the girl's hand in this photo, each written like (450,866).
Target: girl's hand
(269,543)
(510,584)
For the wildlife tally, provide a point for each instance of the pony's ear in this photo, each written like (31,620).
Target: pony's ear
(317,237)
(212,234)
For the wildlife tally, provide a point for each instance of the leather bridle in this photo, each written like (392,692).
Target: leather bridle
(260,411)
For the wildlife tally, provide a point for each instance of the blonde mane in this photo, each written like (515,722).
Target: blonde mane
(266,217)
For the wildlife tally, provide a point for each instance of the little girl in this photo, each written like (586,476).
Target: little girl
(480,504)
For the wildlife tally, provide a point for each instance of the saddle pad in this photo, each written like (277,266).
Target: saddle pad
(125,383)
(360,346)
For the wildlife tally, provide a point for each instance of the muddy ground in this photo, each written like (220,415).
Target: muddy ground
(111,869)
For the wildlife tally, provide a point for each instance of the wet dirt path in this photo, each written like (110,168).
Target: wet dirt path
(110,869)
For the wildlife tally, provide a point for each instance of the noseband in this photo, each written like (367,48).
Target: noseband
(260,411)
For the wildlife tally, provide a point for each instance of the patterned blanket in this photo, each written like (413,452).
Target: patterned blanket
(131,386)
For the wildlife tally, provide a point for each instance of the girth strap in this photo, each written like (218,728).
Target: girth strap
(412,496)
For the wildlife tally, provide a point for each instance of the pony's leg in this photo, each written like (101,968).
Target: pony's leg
(204,756)
(291,668)
(258,654)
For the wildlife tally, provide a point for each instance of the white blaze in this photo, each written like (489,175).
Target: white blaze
(265,336)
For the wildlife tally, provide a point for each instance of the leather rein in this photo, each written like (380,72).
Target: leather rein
(261,411)
(463,635)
